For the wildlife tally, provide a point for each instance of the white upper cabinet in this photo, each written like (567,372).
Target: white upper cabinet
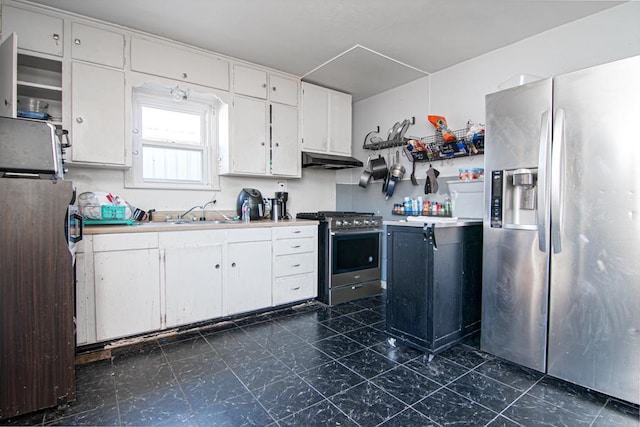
(250,81)
(258,83)
(179,63)
(97,45)
(326,120)
(265,137)
(249,148)
(283,90)
(98,120)
(8,76)
(285,149)
(37,32)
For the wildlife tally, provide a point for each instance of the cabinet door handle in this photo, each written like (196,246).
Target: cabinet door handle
(217,265)
(6,103)
(233,264)
(262,143)
(264,85)
(56,37)
(273,88)
(277,144)
(79,120)
(184,75)
(77,41)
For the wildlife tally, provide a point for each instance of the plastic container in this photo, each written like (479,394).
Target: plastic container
(246,211)
(467,198)
(113,212)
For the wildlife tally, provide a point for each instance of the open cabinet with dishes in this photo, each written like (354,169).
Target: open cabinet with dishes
(31,84)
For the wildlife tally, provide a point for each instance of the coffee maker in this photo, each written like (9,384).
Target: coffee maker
(279,206)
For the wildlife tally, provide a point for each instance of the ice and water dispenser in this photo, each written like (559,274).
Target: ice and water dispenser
(513,198)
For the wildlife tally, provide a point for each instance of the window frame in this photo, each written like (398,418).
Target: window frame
(158,96)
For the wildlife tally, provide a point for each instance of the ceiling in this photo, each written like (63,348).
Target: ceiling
(362,47)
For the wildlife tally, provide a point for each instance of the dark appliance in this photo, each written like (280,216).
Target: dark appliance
(349,255)
(37,344)
(283,198)
(329,161)
(256,202)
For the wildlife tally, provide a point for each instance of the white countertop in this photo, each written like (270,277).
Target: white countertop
(145,227)
(420,221)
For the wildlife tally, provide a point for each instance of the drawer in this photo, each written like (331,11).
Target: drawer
(287,265)
(124,241)
(294,288)
(294,246)
(295,232)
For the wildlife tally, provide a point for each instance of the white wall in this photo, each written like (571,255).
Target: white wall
(316,190)
(458,92)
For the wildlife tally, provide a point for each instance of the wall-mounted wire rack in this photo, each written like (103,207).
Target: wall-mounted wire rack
(436,148)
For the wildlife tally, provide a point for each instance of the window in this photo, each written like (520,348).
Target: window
(174,139)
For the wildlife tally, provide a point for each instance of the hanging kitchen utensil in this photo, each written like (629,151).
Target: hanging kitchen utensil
(414,181)
(386,180)
(396,173)
(403,129)
(367,174)
(393,132)
(431,184)
(378,168)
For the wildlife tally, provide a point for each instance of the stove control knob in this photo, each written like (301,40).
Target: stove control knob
(357,222)
(367,222)
(346,223)
(338,223)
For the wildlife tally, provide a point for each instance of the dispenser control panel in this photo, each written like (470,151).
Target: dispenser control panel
(496,198)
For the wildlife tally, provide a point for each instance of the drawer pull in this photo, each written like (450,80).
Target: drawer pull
(295,246)
(296,288)
(356,287)
(297,232)
(295,265)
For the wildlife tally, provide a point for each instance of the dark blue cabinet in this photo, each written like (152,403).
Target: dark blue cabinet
(434,284)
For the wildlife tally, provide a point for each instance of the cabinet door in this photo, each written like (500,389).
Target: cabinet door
(8,76)
(340,123)
(250,82)
(315,118)
(38,32)
(179,63)
(284,144)
(283,90)
(249,277)
(249,143)
(98,115)
(409,285)
(97,45)
(193,287)
(127,292)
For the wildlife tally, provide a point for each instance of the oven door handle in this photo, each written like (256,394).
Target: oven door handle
(352,233)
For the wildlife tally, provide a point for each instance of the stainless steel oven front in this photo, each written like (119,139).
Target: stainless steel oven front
(354,261)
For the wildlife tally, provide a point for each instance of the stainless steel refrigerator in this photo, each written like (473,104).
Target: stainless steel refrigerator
(561,258)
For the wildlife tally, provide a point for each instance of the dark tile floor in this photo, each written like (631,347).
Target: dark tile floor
(317,366)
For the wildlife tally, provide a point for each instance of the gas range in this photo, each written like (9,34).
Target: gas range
(344,220)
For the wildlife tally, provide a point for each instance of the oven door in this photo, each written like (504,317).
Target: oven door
(354,256)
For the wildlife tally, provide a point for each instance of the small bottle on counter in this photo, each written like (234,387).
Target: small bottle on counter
(246,211)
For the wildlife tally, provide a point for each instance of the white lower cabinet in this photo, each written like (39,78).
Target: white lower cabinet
(192,276)
(127,292)
(133,283)
(249,266)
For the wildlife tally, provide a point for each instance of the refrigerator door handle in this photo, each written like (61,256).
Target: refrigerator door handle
(556,180)
(544,158)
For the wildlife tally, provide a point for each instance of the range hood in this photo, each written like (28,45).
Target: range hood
(329,161)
